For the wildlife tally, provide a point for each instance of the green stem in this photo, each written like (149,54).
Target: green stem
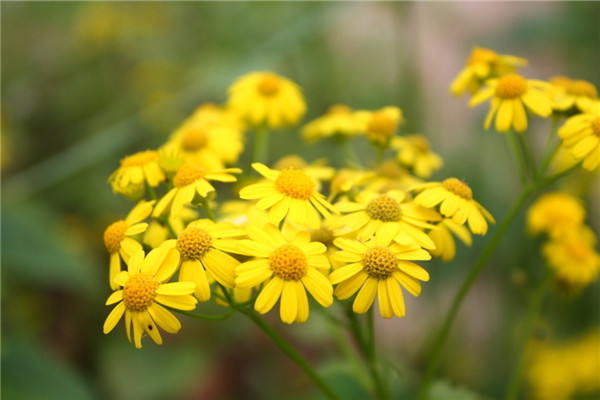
(260,149)
(207,209)
(205,316)
(529,158)
(350,156)
(151,191)
(517,155)
(379,154)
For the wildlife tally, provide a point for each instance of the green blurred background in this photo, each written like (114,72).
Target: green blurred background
(84,84)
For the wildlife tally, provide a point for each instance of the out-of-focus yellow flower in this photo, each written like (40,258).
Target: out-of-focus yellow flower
(382,124)
(511,94)
(347,180)
(135,171)
(267,98)
(556,213)
(581,134)
(339,120)
(242,214)
(483,64)
(443,237)
(569,94)
(414,152)
(389,175)
(317,169)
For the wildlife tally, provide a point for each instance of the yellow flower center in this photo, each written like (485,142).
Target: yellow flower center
(384,208)
(269,84)
(113,235)
(479,55)
(458,187)
(381,124)
(560,81)
(579,251)
(290,162)
(193,243)
(288,262)
(188,174)
(596,126)
(295,184)
(511,86)
(582,88)
(390,169)
(139,291)
(139,159)
(194,139)
(420,143)
(339,109)
(379,262)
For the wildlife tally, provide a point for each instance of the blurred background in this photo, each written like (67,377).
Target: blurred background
(86,83)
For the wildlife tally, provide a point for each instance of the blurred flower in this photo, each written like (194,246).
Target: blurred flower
(137,170)
(339,120)
(413,152)
(581,134)
(242,213)
(577,94)
(443,237)
(382,124)
(267,98)
(555,213)
(511,93)
(389,175)
(317,169)
(145,288)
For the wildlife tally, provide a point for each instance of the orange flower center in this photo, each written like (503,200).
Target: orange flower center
(379,262)
(139,291)
(339,109)
(269,84)
(384,208)
(288,262)
(511,86)
(596,126)
(381,125)
(193,243)
(579,251)
(420,143)
(188,174)
(139,159)
(194,139)
(582,88)
(458,187)
(295,184)
(114,235)
(479,55)
(290,162)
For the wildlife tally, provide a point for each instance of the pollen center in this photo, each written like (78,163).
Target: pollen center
(113,235)
(596,126)
(188,174)
(382,124)
(458,187)
(384,208)
(379,262)
(582,88)
(193,243)
(295,184)
(194,139)
(139,291)
(339,109)
(288,262)
(511,86)
(139,159)
(269,84)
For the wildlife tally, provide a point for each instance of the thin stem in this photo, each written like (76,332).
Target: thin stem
(551,146)
(207,209)
(205,316)
(150,190)
(260,149)
(517,155)
(529,158)
(379,154)
(350,155)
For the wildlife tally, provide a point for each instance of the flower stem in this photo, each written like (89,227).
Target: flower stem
(205,316)
(518,155)
(260,149)
(529,158)
(350,156)
(207,209)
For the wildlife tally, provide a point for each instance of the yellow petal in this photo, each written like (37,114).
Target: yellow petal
(113,317)
(318,286)
(288,307)
(269,295)
(164,318)
(383,298)
(396,298)
(365,296)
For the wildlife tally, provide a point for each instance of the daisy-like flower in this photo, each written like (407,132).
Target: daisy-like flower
(145,292)
(556,213)
(443,237)
(289,268)
(190,180)
(289,192)
(414,152)
(118,240)
(267,98)
(317,170)
(581,134)
(482,65)
(511,93)
(378,268)
(388,216)
(577,94)
(202,246)
(136,170)
(339,120)
(456,201)
(382,124)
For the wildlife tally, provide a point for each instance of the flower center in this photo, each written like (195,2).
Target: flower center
(113,235)
(339,109)
(420,143)
(139,291)
(295,184)
(390,169)
(458,187)
(379,262)
(193,243)
(269,84)
(479,55)
(194,139)
(511,86)
(582,88)
(381,125)
(188,174)
(596,126)
(288,262)
(290,162)
(139,159)
(579,251)
(384,208)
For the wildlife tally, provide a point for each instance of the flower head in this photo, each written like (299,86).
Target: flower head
(556,213)
(339,120)
(443,237)
(414,152)
(381,125)
(581,135)
(135,171)
(578,94)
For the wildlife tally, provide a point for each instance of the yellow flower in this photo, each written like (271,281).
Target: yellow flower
(573,258)
(386,215)
(347,180)
(289,268)
(289,192)
(456,201)
(389,175)
(445,248)
(145,288)
(339,120)
(555,213)
(267,98)
(382,124)
(202,246)
(578,94)
(378,268)
(511,93)
(317,169)
(242,213)
(581,134)
(413,152)
(137,170)
(482,65)
(189,181)
(118,240)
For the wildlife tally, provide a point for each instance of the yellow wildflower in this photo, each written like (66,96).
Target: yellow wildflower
(317,169)
(577,94)
(339,120)
(443,237)
(382,124)
(581,134)
(136,170)
(555,213)
(414,152)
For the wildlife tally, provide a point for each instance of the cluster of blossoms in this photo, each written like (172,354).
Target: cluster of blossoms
(300,228)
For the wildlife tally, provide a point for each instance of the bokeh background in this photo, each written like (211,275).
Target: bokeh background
(86,83)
